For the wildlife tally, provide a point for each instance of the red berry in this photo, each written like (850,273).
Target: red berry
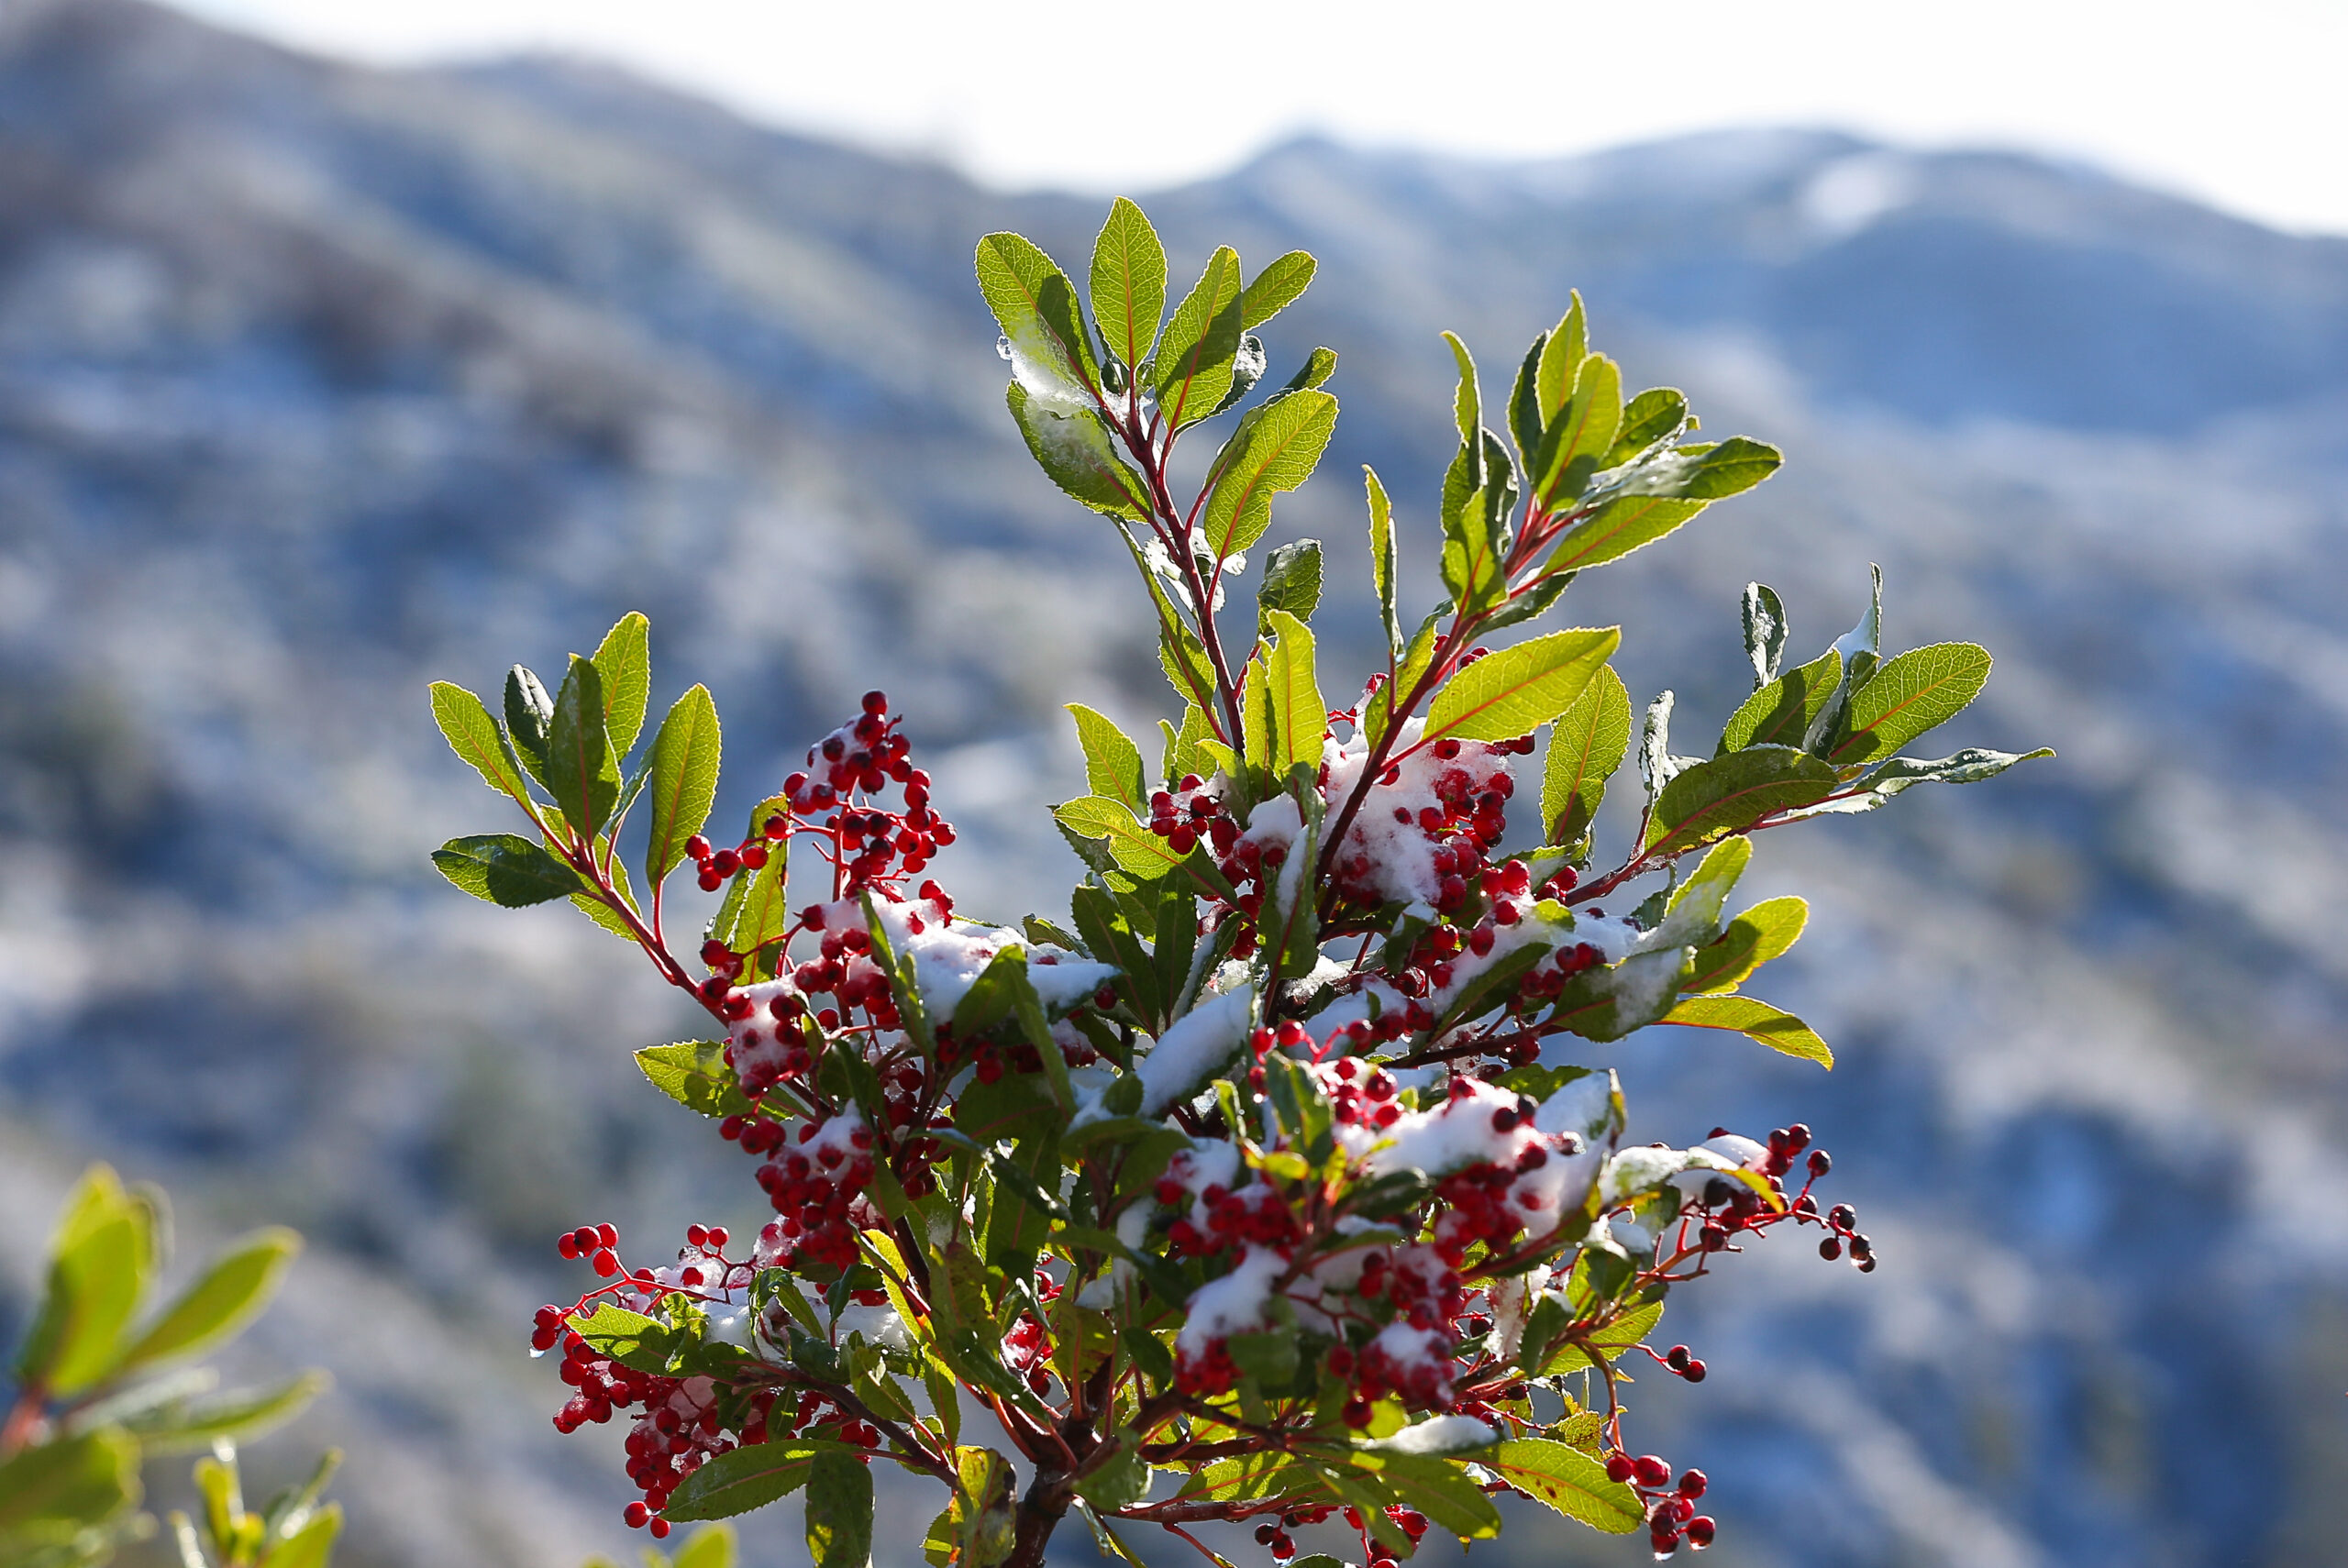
(1652,1469)
(1620,1467)
(1701,1530)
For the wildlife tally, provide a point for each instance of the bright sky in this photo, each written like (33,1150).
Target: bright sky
(2238,102)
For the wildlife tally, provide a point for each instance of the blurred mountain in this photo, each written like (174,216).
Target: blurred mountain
(318,382)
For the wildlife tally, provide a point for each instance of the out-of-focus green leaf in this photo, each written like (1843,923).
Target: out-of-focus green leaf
(712,1546)
(224,1298)
(100,1256)
(48,1491)
(312,1546)
(239,1414)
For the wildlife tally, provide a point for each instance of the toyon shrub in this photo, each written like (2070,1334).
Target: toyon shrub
(1278,1181)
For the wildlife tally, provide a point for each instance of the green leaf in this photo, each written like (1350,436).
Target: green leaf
(51,1490)
(1656,414)
(839,1510)
(1561,356)
(1782,712)
(1138,852)
(1568,1481)
(683,772)
(1917,692)
(1777,1030)
(1572,445)
(1318,366)
(312,1546)
(629,1337)
(1179,652)
(1611,1343)
(227,1296)
(528,712)
(1119,1480)
(1382,558)
(624,662)
(582,773)
(1195,354)
(1524,421)
(1760,934)
(694,1073)
(981,1522)
(712,1546)
(746,1478)
(1274,449)
(1681,483)
(1128,282)
(1438,1488)
(1765,633)
(474,735)
(1077,453)
(1585,748)
(1967,766)
(1276,288)
(1112,761)
(100,1256)
(1731,793)
(1292,582)
(1299,717)
(1033,300)
(508,869)
(1518,690)
(238,1415)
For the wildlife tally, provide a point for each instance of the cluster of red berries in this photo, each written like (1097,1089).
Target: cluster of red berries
(1273,1534)
(680,1428)
(870,846)
(1727,1209)
(817,1190)
(1672,1518)
(717,864)
(1257,1214)
(1028,1348)
(1410,1521)
(1467,820)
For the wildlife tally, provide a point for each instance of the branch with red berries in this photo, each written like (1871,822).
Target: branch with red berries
(1280,1184)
